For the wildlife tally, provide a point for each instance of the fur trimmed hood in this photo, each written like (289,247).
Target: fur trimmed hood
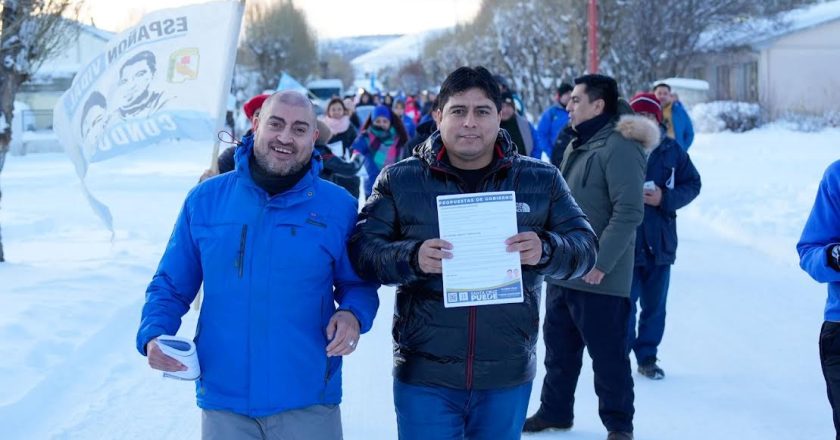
(641,129)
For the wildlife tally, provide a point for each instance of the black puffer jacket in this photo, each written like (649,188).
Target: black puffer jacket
(467,347)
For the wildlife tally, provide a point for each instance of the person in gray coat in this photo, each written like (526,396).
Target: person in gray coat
(604,166)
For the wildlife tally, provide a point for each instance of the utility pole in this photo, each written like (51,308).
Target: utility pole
(593,36)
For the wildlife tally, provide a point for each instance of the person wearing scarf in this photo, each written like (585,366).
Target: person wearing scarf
(381,143)
(338,121)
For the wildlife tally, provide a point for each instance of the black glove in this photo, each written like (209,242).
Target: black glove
(833,253)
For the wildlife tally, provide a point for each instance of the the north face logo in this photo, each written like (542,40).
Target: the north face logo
(522,207)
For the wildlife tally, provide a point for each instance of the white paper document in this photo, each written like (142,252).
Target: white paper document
(183,350)
(481,270)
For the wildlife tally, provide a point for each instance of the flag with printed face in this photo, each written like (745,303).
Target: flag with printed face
(166,78)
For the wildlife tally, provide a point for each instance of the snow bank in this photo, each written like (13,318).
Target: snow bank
(712,117)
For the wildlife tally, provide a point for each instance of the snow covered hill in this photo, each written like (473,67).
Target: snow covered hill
(393,53)
(740,350)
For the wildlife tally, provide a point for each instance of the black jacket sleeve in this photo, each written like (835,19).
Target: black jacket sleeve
(226,161)
(337,165)
(572,242)
(376,250)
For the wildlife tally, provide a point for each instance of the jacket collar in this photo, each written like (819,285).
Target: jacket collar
(601,134)
(432,151)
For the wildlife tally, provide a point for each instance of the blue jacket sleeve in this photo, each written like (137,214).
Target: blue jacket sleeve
(822,229)
(361,144)
(544,130)
(351,292)
(686,183)
(538,143)
(173,286)
(686,134)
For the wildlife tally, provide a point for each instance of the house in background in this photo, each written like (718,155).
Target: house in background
(787,66)
(32,124)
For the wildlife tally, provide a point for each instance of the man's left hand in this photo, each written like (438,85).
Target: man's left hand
(653,198)
(529,246)
(594,277)
(343,333)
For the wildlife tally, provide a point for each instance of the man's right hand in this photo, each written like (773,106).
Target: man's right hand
(431,254)
(160,361)
(207,174)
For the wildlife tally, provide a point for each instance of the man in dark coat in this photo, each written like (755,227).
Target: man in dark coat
(336,169)
(671,183)
(466,372)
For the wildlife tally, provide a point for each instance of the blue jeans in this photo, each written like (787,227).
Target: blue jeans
(438,413)
(650,290)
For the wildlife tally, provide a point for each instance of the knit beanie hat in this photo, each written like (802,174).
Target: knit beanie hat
(507,97)
(253,105)
(647,103)
(381,111)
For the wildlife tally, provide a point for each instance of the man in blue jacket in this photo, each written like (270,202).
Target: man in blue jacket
(268,241)
(677,123)
(554,119)
(671,183)
(819,255)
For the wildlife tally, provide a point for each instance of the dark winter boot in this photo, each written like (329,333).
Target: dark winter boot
(615,435)
(536,424)
(649,369)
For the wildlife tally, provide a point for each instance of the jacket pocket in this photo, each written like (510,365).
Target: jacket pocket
(223,250)
(669,237)
(308,243)
(243,240)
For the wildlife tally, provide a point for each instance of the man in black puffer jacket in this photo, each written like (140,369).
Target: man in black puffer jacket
(466,372)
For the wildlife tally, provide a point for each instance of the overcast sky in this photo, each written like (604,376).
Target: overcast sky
(329,18)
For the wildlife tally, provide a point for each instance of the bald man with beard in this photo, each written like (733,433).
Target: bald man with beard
(282,304)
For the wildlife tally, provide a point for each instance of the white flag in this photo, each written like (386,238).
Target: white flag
(166,78)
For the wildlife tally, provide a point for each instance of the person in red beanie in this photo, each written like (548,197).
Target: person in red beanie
(646,104)
(671,182)
(252,107)
(225,160)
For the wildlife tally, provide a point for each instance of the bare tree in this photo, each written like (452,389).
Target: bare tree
(410,77)
(32,32)
(643,40)
(533,40)
(528,42)
(278,38)
(536,43)
(337,67)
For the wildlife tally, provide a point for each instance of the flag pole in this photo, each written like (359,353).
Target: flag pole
(222,107)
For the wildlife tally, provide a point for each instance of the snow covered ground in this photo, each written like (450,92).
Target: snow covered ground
(740,350)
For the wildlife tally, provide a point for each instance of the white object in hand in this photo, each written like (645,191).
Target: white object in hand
(650,185)
(182,350)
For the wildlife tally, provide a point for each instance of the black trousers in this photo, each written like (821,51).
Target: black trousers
(830,361)
(574,320)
